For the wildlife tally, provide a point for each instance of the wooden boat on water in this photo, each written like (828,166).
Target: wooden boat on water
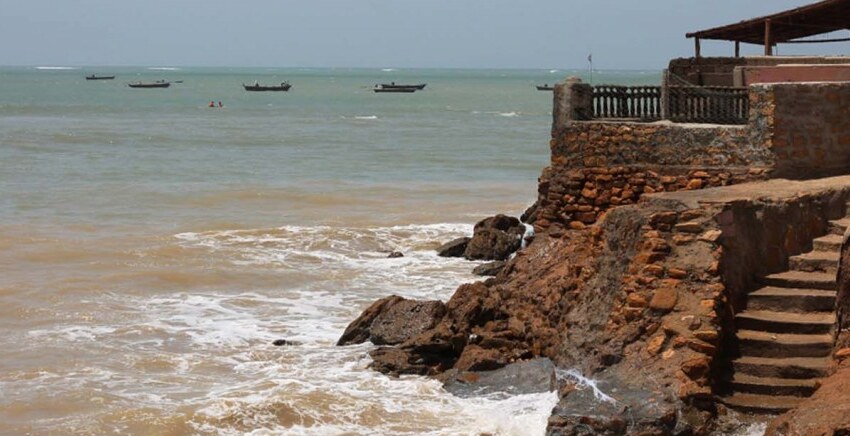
(157,84)
(284,86)
(545,87)
(393,85)
(96,77)
(401,90)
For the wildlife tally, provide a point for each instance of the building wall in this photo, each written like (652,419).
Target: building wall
(718,71)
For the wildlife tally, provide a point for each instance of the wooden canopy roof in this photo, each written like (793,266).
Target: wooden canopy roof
(814,19)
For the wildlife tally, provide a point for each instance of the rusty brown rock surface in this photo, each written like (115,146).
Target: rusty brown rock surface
(826,413)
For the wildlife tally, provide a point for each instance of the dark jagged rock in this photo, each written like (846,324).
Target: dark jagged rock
(489,268)
(454,248)
(495,238)
(530,214)
(404,320)
(393,320)
(395,254)
(358,331)
(526,377)
(285,342)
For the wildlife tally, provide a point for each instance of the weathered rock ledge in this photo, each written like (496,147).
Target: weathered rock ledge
(643,300)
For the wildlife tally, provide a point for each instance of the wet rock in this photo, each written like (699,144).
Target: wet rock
(527,377)
(454,248)
(489,269)
(530,214)
(404,320)
(359,330)
(633,406)
(393,320)
(495,238)
(284,343)
(475,358)
(395,254)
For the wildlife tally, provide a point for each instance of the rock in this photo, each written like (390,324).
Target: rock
(489,269)
(405,320)
(526,377)
(530,214)
(284,342)
(453,248)
(495,238)
(393,320)
(634,406)
(664,299)
(475,358)
(395,254)
(358,331)
(824,413)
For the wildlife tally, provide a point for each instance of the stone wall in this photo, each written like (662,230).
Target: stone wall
(809,127)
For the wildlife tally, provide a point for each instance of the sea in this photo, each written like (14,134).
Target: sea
(152,248)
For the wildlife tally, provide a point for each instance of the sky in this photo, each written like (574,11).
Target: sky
(621,34)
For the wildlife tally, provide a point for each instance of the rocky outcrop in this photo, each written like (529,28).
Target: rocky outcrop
(826,413)
(495,238)
(453,248)
(490,268)
(393,320)
(527,377)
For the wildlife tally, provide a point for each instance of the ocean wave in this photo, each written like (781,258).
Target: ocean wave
(56,68)
(388,70)
(366,117)
(164,69)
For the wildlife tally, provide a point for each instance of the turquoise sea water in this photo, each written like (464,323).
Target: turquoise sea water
(152,247)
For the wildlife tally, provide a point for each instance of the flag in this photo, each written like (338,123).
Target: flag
(590,58)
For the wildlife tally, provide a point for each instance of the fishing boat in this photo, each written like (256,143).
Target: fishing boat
(157,84)
(284,86)
(393,85)
(96,77)
(545,87)
(396,89)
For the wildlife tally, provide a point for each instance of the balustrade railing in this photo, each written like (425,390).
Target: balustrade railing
(688,104)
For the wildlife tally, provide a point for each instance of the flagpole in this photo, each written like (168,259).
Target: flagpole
(590,60)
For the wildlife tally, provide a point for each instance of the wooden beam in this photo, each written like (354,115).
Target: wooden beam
(737,49)
(768,39)
(696,48)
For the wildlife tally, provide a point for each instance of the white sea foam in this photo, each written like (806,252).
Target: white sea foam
(164,69)
(508,114)
(388,70)
(584,382)
(553,71)
(56,68)
(366,117)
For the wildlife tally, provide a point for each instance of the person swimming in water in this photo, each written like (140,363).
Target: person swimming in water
(212,104)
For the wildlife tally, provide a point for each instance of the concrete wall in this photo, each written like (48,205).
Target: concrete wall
(745,76)
(718,71)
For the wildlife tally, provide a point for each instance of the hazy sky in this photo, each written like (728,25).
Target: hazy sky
(622,34)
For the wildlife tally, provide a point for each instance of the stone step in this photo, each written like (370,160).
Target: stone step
(800,279)
(749,384)
(837,227)
(766,344)
(755,403)
(824,261)
(791,300)
(828,243)
(785,322)
(788,367)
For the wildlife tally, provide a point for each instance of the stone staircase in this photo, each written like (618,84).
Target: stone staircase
(785,335)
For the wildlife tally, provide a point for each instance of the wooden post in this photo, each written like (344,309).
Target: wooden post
(696,48)
(768,39)
(737,49)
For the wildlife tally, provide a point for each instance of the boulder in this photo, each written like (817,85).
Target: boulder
(395,255)
(489,268)
(526,377)
(405,320)
(393,320)
(495,238)
(453,248)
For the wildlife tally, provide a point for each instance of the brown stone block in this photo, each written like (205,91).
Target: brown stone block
(663,217)
(709,336)
(655,270)
(702,347)
(664,299)
(694,184)
(656,245)
(636,300)
(577,225)
(677,273)
(689,227)
(655,344)
(697,367)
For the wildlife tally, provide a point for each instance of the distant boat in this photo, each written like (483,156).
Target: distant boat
(257,87)
(96,77)
(157,84)
(545,87)
(396,89)
(393,85)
